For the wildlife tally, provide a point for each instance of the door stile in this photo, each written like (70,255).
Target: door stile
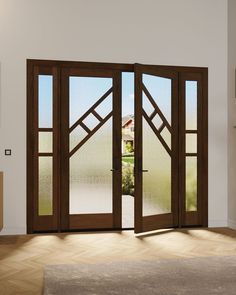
(116,139)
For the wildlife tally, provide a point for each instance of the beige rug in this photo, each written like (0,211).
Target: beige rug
(195,276)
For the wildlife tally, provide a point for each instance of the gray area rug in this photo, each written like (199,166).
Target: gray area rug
(195,276)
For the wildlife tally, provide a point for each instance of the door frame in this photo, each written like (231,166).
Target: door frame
(54,67)
(95,220)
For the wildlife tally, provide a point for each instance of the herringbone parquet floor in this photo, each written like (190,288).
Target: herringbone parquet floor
(22,258)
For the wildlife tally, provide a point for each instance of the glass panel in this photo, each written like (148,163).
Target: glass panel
(45,100)
(191,183)
(90,175)
(147,106)
(105,107)
(45,142)
(76,136)
(127,150)
(84,92)
(45,205)
(165,133)
(157,121)
(160,89)
(191,143)
(191,105)
(157,181)
(91,122)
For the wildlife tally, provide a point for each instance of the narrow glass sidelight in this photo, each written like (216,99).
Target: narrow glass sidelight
(45,198)
(191,142)
(191,104)
(45,142)
(191,184)
(45,101)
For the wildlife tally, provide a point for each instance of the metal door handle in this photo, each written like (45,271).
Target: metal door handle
(113,169)
(144,170)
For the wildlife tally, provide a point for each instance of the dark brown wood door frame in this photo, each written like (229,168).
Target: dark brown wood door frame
(57,222)
(199,217)
(34,221)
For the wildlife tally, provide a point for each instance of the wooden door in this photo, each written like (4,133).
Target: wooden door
(90,149)
(156,148)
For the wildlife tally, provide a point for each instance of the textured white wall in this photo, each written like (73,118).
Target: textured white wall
(169,32)
(232,112)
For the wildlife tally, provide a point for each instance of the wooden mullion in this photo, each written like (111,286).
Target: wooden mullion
(84,127)
(45,154)
(149,96)
(191,131)
(75,149)
(153,114)
(191,154)
(161,127)
(157,133)
(91,109)
(97,115)
(45,129)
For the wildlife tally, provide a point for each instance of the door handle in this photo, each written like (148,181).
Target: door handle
(144,170)
(113,169)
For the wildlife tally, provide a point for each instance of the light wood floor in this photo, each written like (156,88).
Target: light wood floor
(22,258)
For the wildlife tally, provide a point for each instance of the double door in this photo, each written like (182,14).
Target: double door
(86,159)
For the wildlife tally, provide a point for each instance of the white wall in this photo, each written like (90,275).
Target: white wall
(171,32)
(232,112)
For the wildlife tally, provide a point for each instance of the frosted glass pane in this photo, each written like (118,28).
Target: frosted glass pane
(45,101)
(45,142)
(191,183)
(84,92)
(191,104)
(166,135)
(76,136)
(191,143)
(45,206)
(90,175)
(160,89)
(157,121)
(157,181)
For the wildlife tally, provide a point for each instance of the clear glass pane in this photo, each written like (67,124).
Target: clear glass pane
(90,175)
(45,142)
(127,150)
(105,107)
(147,106)
(191,143)
(45,201)
(191,183)
(84,92)
(191,104)
(160,89)
(45,101)
(157,181)
(91,122)
(76,136)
